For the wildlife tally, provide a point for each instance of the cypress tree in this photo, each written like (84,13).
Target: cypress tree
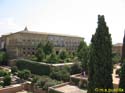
(123,50)
(122,78)
(82,53)
(100,62)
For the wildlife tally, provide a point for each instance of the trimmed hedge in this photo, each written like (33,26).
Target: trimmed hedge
(34,67)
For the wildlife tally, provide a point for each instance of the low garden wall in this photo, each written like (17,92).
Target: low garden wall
(15,88)
(38,90)
(53,90)
(77,79)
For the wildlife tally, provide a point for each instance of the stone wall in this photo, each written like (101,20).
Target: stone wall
(23,86)
(15,88)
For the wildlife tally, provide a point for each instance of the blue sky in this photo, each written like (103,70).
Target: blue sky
(75,17)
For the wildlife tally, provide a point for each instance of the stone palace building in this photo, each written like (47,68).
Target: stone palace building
(23,43)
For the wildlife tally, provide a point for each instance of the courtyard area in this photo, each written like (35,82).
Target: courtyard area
(70,89)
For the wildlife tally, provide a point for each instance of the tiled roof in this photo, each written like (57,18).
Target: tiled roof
(45,33)
(118,44)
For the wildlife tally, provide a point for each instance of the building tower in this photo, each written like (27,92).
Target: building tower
(123,49)
(26,29)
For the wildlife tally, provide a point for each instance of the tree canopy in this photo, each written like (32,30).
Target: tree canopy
(100,62)
(82,53)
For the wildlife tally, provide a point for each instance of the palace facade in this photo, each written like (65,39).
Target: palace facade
(23,43)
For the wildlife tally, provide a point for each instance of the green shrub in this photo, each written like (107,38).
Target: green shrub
(63,55)
(41,82)
(1,83)
(68,60)
(14,69)
(76,68)
(34,67)
(24,74)
(7,80)
(3,73)
(60,74)
(49,84)
(3,58)
(45,82)
(33,58)
(34,80)
(52,59)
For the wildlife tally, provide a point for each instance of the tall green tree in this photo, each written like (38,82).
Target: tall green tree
(82,43)
(63,55)
(48,48)
(40,52)
(100,62)
(82,54)
(53,58)
(122,77)
(123,50)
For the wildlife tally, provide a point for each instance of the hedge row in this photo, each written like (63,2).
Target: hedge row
(34,67)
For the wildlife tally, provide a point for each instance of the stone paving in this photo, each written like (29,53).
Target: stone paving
(70,89)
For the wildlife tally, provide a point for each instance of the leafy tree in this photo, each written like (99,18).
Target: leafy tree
(100,63)
(71,55)
(82,54)
(7,80)
(48,48)
(116,58)
(40,45)
(82,43)
(63,55)
(40,52)
(53,58)
(122,77)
